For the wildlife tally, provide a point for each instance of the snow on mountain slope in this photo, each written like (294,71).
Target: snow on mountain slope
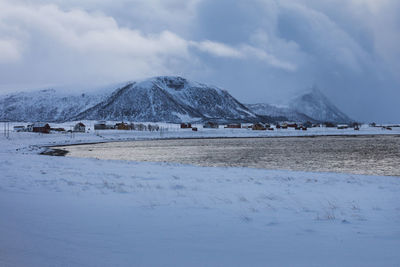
(210,101)
(317,106)
(45,105)
(139,102)
(279,112)
(310,106)
(164,98)
(169,99)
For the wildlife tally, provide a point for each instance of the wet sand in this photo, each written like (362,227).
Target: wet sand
(369,154)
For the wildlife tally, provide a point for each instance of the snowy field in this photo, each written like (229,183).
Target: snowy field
(59,211)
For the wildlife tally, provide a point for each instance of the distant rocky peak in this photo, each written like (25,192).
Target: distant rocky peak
(315,104)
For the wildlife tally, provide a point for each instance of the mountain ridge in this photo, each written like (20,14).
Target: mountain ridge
(311,105)
(162,98)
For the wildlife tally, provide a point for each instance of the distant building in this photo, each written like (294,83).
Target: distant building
(342,126)
(122,126)
(329,125)
(58,129)
(186,125)
(19,128)
(211,125)
(234,126)
(39,127)
(80,127)
(258,127)
(101,125)
(308,124)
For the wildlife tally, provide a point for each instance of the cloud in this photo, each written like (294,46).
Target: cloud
(272,60)
(261,50)
(10,51)
(69,41)
(243,51)
(81,46)
(218,49)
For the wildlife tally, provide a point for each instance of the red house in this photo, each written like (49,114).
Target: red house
(40,127)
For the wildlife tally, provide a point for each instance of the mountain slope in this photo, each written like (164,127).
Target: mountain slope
(168,99)
(44,105)
(317,106)
(162,99)
(279,112)
(311,106)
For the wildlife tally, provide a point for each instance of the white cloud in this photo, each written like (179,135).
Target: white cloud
(77,45)
(272,60)
(9,51)
(83,45)
(243,51)
(218,49)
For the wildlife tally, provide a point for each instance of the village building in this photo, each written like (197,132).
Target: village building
(258,127)
(210,124)
(186,125)
(58,129)
(122,126)
(329,125)
(19,128)
(234,126)
(80,127)
(39,127)
(284,125)
(101,125)
(307,124)
(342,126)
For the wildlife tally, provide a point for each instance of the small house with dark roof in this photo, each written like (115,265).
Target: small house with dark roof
(122,126)
(80,127)
(186,125)
(39,127)
(234,126)
(258,127)
(211,124)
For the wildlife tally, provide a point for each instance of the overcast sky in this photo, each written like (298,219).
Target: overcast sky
(259,50)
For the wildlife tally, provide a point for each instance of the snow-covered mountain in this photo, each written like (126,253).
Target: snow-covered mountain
(317,106)
(165,98)
(169,99)
(45,105)
(280,112)
(310,106)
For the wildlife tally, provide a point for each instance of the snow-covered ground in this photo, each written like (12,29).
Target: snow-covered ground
(58,211)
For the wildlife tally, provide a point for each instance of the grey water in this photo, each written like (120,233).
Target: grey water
(369,154)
